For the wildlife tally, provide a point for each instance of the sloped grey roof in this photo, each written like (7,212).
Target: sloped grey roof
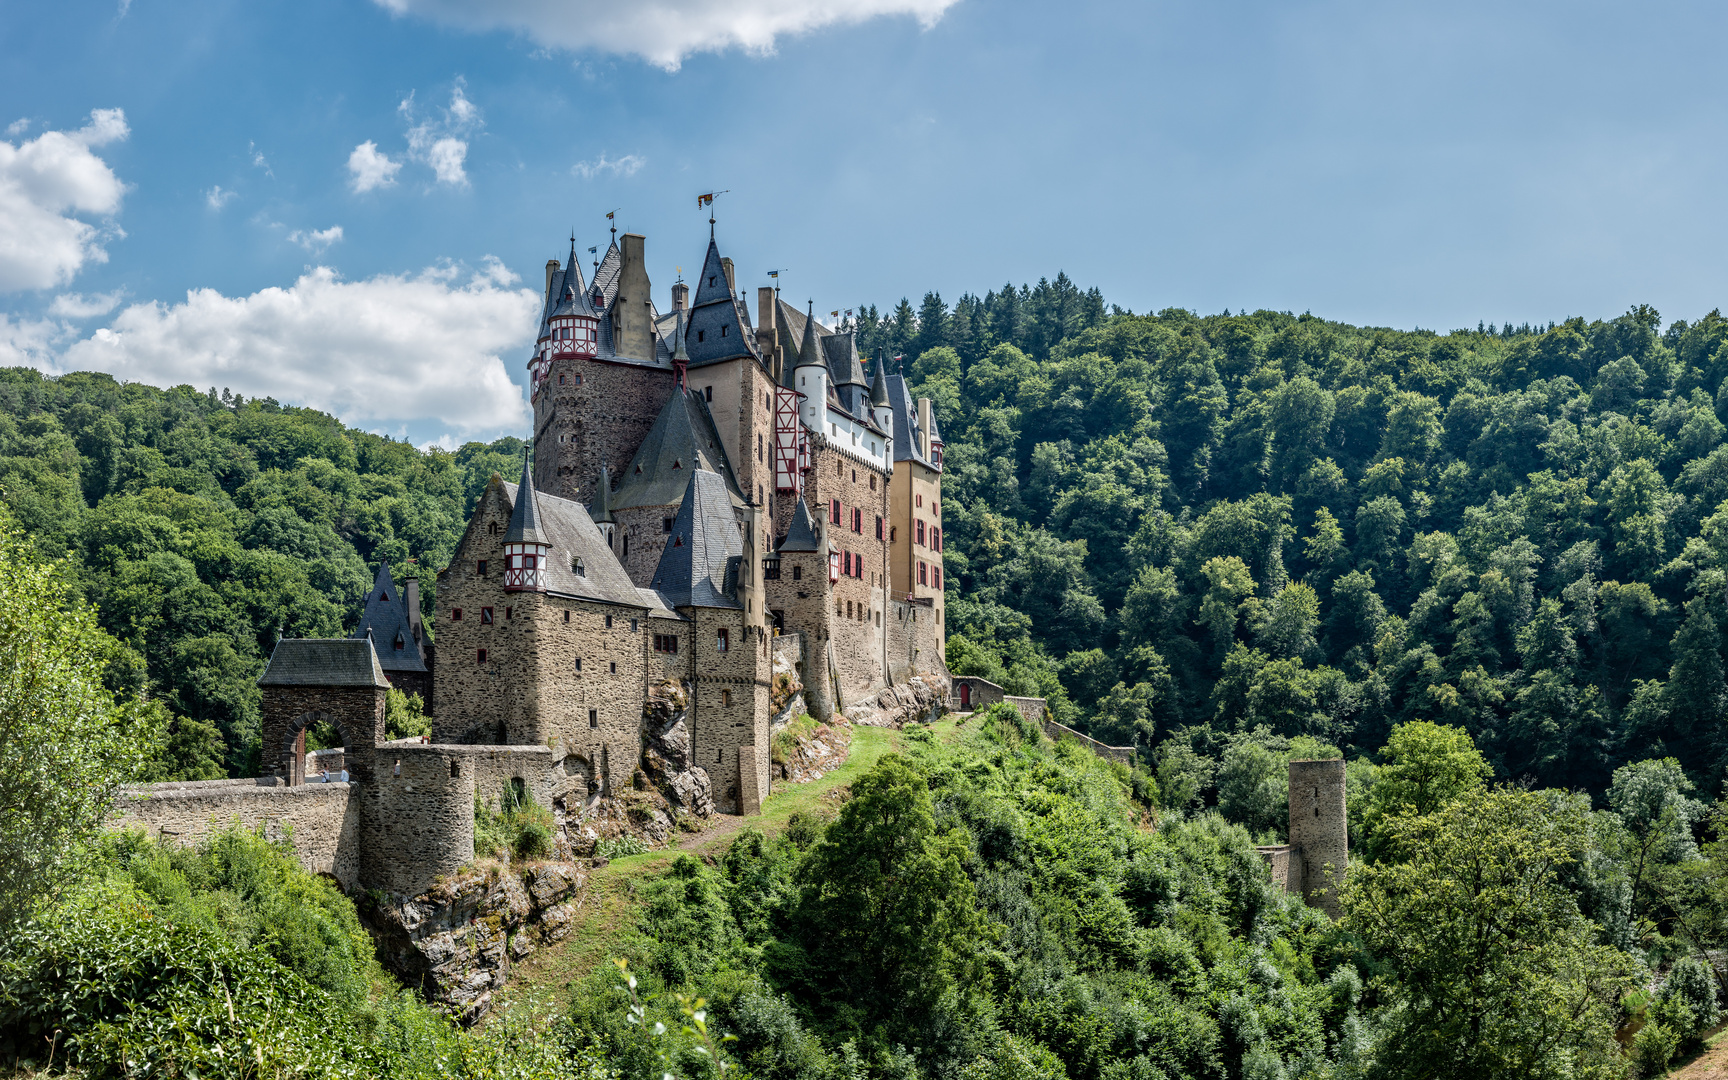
(693,570)
(719,326)
(386,617)
(809,352)
(606,274)
(801,533)
(323,662)
(601,511)
(525,513)
(683,433)
(566,526)
(905,421)
(841,351)
(657,606)
(879,384)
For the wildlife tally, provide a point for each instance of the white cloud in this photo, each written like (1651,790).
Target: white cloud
(624,166)
(316,242)
(440,142)
(369,168)
(18,127)
(383,352)
(79,306)
(662,32)
(42,181)
(216,198)
(258,161)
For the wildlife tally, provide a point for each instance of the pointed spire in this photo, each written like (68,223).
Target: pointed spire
(809,354)
(383,585)
(525,516)
(680,357)
(801,534)
(879,382)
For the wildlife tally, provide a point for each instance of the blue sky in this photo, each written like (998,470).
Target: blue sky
(182,199)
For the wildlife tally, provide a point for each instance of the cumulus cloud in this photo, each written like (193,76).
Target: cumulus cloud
(369,168)
(662,32)
(383,352)
(18,127)
(624,166)
(316,242)
(42,183)
(217,197)
(441,141)
(79,306)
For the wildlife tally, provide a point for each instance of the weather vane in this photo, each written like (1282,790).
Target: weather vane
(708,201)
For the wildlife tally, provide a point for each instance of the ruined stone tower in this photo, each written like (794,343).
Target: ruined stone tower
(1319,833)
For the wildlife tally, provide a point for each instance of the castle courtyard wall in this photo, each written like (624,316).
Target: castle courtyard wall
(321,821)
(594,710)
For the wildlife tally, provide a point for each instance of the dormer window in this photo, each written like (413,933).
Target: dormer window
(577,568)
(400,643)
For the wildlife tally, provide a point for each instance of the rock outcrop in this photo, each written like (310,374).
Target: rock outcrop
(456,941)
(803,760)
(918,699)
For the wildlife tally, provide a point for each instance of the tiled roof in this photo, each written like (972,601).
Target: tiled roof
(575,538)
(387,617)
(323,662)
(801,534)
(525,513)
(682,434)
(697,566)
(905,422)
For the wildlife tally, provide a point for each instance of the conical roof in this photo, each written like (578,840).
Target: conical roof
(809,352)
(712,287)
(525,515)
(682,434)
(801,534)
(879,384)
(842,353)
(718,324)
(697,568)
(386,619)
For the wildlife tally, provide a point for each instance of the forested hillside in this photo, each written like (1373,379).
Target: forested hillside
(1212,525)
(204,526)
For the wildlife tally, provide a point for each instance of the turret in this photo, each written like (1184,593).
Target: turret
(880,410)
(601,512)
(811,374)
(526,547)
(573,323)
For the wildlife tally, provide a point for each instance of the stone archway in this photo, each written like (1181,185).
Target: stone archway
(290,761)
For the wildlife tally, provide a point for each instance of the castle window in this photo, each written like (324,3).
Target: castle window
(400,643)
(872,475)
(560,382)
(758,450)
(480,656)
(723,641)
(626,545)
(509,612)
(937,574)
(577,568)
(614,667)
(566,615)
(723,327)
(485,616)
(608,622)
(701,334)
(893,533)
(725,698)
(854,476)
(919,499)
(707,393)
(936,539)
(634,626)
(857,520)
(593,718)
(797,573)
(923,574)
(666,643)
(848,609)
(666,525)
(492,529)
(935,508)
(455,770)
(834,511)
(578,663)
(878,526)
(920,530)
(480,567)
(578,380)
(455,614)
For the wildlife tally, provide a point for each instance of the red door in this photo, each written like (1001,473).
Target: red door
(965,695)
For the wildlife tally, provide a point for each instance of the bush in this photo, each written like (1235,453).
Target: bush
(1687,1001)
(520,830)
(619,847)
(1653,1047)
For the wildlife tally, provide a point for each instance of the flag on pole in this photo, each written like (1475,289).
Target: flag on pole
(594,250)
(609,214)
(774,273)
(833,314)
(705,200)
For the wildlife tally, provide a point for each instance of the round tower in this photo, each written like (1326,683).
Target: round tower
(811,374)
(526,548)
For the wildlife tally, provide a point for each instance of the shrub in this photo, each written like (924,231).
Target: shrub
(1653,1047)
(619,847)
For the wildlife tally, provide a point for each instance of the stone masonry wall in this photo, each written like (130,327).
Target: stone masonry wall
(975,694)
(740,399)
(1319,832)
(1058,732)
(729,709)
(593,711)
(322,821)
(417,816)
(642,540)
(599,415)
(855,613)
(478,700)
(358,713)
(802,594)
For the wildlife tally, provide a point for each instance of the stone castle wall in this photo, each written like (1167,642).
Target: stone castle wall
(322,821)
(642,540)
(1058,732)
(357,712)
(801,594)
(593,711)
(417,816)
(599,415)
(855,613)
(729,707)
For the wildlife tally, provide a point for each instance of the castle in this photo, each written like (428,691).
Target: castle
(709,498)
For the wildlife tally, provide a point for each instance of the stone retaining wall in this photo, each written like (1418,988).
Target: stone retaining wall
(322,821)
(1058,732)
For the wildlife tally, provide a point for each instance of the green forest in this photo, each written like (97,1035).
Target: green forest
(1489,568)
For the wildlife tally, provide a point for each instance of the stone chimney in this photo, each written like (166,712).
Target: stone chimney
(411,600)
(924,428)
(680,296)
(632,328)
(551,272)
(726,265)
(767,336)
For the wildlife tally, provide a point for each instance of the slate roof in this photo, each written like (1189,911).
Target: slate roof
(697,569)
(719,325)
(879,384)
(683,436)
(601,511)
(566,526)
(842,354)
(657,606)
(801,534)
(387,617)
(568,280)
(323,662)
(905,421)
(525,513)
